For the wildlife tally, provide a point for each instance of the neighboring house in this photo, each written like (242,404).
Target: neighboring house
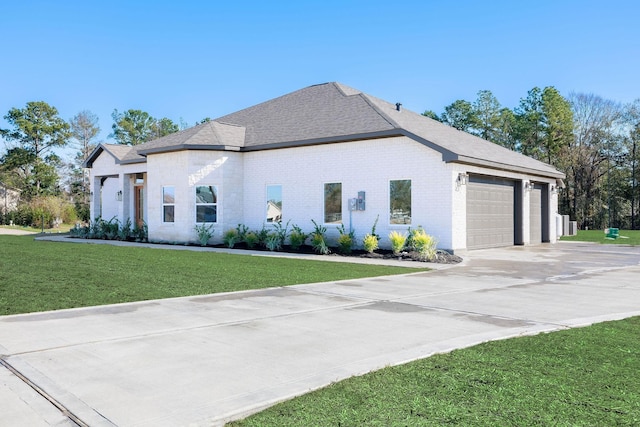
(335,155)
(9,198)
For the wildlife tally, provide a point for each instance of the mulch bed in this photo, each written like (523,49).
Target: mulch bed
(442,257)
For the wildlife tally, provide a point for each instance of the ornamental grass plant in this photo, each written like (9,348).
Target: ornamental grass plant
(398,241)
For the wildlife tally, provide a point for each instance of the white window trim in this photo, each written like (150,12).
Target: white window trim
(196,204)
(169,204)
(266,196)
(389,223)
(324,205)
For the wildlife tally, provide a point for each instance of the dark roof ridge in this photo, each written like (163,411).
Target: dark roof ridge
(365,97)
(344,89)
(226,123)
(391,121)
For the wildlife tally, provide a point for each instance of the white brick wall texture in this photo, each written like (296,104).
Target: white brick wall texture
(185,170)
(360,166)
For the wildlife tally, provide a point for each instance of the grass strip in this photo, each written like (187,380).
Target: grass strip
(578,377)
(628,237)
(40,275)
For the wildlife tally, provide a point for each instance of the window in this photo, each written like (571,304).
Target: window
(206,203)
(274,203)
(168,204)
(333,203)
(400,201)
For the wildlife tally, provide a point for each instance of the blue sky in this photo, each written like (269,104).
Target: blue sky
(192,59)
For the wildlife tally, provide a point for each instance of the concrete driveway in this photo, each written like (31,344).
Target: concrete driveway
(14,231)
(204,360)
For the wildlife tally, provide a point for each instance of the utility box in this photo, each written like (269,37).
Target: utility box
(565,225)
(573,228)
(361,201)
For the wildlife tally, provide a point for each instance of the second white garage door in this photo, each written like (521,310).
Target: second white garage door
(535,214)
(490,212)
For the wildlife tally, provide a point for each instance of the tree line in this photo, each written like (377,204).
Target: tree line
(31,165)
(591,139)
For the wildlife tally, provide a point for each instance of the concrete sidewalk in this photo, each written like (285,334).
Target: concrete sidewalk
(208,359)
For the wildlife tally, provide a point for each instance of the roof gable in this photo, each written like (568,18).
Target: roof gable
(121,153)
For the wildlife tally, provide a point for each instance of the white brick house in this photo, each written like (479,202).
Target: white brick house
(313,151)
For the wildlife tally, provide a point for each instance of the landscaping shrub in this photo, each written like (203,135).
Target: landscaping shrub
(424,244)
(398,241)
(204,232)
(318,241)
(345,240)
(280,232)
(230,238)
(242,231)
(111,228)
(262,237)
(125,232)
(251,239)
(273,242)
(96,229)
(297,237)
(141,233)
(370,240)
(370,243)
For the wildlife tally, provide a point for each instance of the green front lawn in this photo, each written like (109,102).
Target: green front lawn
(578,377)
(627,237)
(39,275)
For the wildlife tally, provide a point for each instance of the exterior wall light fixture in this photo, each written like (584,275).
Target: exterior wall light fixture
(528,186)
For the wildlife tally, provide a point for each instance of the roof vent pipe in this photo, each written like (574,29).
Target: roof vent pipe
(398,105)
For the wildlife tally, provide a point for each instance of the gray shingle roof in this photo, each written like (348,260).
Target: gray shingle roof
(208,135)
(330,113)
(314,113)
(122,154)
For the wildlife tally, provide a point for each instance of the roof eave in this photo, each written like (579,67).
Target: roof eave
(502,166)
(327,140)
(451,157)
(132,161)
(88,163)
(182,147)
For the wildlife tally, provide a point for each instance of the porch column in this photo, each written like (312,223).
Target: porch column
(96,199)
(124,210)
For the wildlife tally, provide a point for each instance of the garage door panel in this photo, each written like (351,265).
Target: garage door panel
(535,214)
(490,212)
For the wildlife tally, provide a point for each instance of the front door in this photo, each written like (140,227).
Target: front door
(138,196)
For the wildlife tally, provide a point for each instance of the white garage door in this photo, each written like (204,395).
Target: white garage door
(535,214)
(490,212)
